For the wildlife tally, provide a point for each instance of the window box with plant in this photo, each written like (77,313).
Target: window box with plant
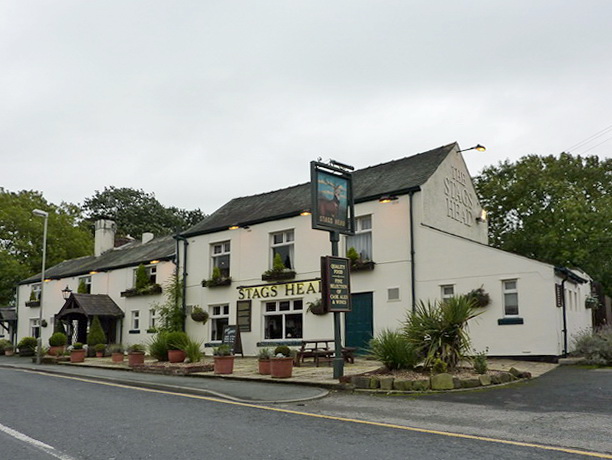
(358,263)
(223,359)
(279,271)
(217,279)
(143,284)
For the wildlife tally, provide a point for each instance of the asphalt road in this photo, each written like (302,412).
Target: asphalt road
(44,417)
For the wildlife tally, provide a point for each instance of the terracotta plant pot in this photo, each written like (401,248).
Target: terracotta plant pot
(176,356)
(99,354)
(135,358)
(224,364)
(264,366)
(117,357)
(9,352)
(56,351)
(281,368)
(77,356)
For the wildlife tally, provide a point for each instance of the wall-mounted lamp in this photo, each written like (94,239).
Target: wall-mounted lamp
(387,198)
(93,272)
(480,148)
(482,217)
(154,262)
(233,227)
(305,212)
(66,292)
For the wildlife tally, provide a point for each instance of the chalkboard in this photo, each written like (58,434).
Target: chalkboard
(231,337)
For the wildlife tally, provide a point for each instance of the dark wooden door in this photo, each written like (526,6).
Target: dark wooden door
(359,323)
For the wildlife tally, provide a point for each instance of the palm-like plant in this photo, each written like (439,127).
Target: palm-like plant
(437,330)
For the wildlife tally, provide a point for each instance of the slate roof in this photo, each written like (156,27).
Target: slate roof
(394,177)
(91,305)
(8,314)
(131,254)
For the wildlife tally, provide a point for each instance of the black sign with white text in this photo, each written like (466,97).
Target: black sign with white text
(335,283)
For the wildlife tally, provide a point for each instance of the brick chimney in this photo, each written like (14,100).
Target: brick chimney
(105,236)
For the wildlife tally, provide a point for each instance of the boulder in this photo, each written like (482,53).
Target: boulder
(485,380)
(442,382)
(386,383)
(361,381)
(420,385)
(402,385)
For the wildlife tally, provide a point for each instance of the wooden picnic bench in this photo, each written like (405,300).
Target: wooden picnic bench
(322,350)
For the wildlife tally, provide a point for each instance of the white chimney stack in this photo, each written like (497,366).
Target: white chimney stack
(146,237)
(105,236)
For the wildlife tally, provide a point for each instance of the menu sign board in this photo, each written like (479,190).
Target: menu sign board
(231,337)
(335,284)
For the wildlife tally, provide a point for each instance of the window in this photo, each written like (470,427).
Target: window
(283,319)
(219,318)
(135,320)
(35,293)
(84,285)
(510,293)
(282,243)
(152,318)
(151,273)
(447,291)
(34,327)
(362,239)
(221,258)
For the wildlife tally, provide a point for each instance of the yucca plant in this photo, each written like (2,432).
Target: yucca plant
(393,350)
(437,330)
(193,350)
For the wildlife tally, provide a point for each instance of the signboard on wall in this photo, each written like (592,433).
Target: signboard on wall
(335,284)
(331,199)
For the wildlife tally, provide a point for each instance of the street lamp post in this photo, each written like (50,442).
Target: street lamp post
(40,213)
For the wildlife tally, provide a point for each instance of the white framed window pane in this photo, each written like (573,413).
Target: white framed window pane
(509,285)
(511,303)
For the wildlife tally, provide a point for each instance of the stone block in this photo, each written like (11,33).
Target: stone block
(374,383)
(515,372)
(496,379)
(421,385)
(456,382)
(505,377)
(442,382)
(402,385)
(386,383)
(470,383)
(361,381)
(485,380)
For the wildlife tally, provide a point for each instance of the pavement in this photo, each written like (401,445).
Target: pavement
(245,384)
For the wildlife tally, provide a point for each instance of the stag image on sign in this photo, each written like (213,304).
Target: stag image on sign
(332,200)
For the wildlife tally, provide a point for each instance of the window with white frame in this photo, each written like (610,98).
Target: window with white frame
(362,239)
(152,318)
(34,327)
(151,273)
(84,285)
(219,318)
(510,294)
(221,257)
(282,243)
(447,291)
(283,319)
(35,293)
(135,324)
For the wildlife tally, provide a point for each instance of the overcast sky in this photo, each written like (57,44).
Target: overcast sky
(202,101)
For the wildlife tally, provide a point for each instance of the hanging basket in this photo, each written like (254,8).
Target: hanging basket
(199,315)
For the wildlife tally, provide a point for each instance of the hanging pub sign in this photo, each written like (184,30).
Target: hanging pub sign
(335,284)
(331,198)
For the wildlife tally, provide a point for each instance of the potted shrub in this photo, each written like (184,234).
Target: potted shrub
(217,279)
(27,346)
(278,271)
(281,364)
(136,354)
(100,349)
(177,341)
(96,335)
(3,344)
(9,350)
(77,354)
(264,356)
(224,360)
(116,351)
(57,343)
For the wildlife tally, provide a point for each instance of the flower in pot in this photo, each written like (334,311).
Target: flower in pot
(177,342)
(264,356)
(281,364)
(100,349)
(77,354)
(27,346)
(116,351)
(136,354)
(57,343)
(224,360)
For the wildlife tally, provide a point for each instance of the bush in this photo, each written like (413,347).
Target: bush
(222,350)
(100,348)
(3,344)
(27,344)
(58,339)
(282,350)
(59,327)
(264,353)
(595,346)
(158,346)
(77,346)
(177,340)
(193,350)
(438,330)
(142,279)
(393,350)
(480,362)
(136,348)
(96,333)
(439,366)
(115,348)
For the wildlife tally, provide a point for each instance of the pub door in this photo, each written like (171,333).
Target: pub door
(359,323)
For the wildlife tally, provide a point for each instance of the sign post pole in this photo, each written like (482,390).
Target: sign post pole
(334,238)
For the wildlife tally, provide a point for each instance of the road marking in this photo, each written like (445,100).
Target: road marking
(342,419)
(35,443)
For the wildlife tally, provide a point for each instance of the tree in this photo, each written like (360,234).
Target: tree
(21,237)
(170,312)
(554,209)
(136,212)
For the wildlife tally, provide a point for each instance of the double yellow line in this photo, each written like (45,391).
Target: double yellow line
(345,419)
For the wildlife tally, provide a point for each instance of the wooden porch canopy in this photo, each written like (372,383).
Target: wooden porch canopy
(90,305)
(8,317)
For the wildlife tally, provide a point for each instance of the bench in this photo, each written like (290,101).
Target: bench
(317,349)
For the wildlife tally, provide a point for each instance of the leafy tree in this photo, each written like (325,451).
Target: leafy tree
(137,212)
(21,237)
(171,315)
(142,279)
(554,209)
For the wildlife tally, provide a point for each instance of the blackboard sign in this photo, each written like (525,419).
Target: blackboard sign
(231,337)
(336,283)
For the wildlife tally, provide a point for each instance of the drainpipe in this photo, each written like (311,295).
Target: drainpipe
(564,316)
(412,252)
(184,287)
